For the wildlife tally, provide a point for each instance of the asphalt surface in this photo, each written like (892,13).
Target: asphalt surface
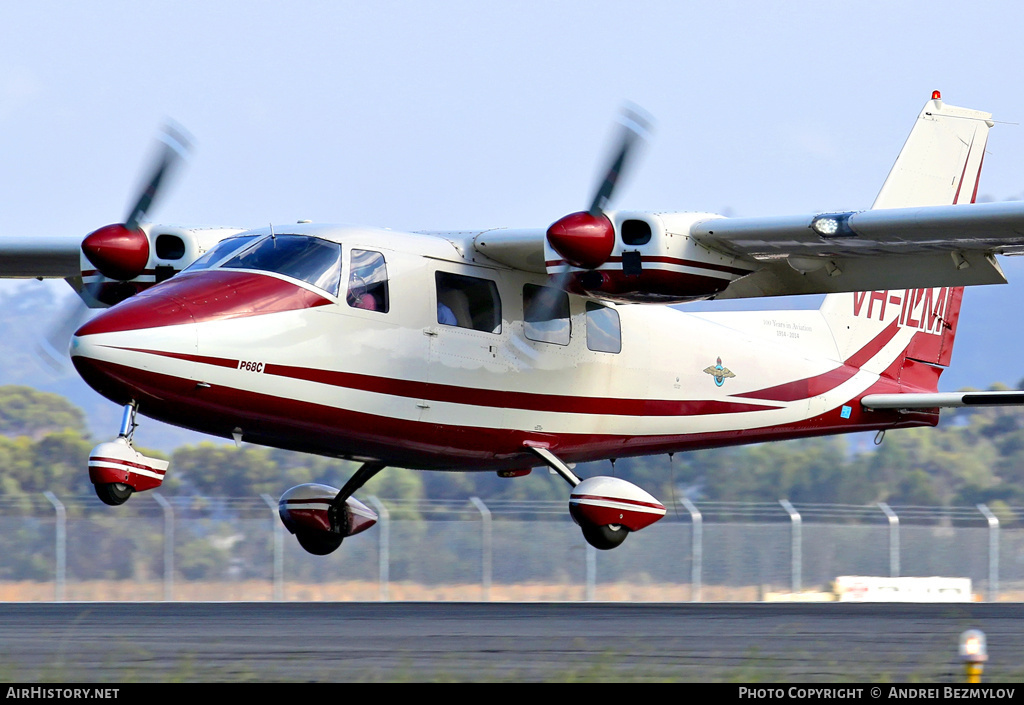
(389,642)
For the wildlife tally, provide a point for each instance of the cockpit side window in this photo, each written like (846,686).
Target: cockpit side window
(604,333)
(309,259)
(468,302)
(368,281)
(546,314)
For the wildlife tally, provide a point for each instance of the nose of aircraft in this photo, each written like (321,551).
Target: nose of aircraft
(147,347)
(110,350)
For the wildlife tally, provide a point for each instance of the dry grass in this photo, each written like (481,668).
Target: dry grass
(364,591)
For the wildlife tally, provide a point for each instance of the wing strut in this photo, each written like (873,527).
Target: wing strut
(338,506)
(553,462)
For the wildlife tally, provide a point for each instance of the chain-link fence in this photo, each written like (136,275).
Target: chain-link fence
(164,548)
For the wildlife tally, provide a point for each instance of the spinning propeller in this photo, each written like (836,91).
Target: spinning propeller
(585,239)
(121,251)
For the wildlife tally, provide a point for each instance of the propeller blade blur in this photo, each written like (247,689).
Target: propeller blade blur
(176,144)
(635,126)
(53,348)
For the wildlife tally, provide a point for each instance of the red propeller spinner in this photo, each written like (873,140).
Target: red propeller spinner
(584,240)
(117,252)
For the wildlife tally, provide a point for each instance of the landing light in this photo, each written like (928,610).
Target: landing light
(826,226)
(833,225)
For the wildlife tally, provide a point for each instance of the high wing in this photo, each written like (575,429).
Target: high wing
(43,257)
(923,230)
(900,248)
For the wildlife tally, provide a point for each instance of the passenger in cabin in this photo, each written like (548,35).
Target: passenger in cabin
(368,282)
(364,301)
(445,315)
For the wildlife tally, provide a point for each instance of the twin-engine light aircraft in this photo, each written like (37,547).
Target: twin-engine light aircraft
(503,350)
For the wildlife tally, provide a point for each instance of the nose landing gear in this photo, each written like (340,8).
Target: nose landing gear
(117,470)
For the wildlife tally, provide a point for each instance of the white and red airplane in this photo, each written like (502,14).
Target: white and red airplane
(502,350)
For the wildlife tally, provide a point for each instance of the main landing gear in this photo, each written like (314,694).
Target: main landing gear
(607,509)
(321,516)
(117,470)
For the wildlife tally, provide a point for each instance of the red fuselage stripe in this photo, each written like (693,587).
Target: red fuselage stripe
(317,428)
(486,397)
(819,384)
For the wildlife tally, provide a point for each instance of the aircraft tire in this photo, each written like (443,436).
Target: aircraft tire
(319,543)
(605,538)
(113,493)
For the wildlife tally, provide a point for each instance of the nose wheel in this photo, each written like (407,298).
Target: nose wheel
(113,493)
(117,470)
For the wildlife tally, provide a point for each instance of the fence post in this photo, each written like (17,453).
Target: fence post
(385,546)
(61,543)
(993,552)
(894,539)
(486,547)
(796,545)
(278,529)
(168,546)
(696,549)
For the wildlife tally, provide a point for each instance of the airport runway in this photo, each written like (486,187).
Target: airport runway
(384,642)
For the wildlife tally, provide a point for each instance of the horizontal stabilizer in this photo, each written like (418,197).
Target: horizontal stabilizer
(943,400)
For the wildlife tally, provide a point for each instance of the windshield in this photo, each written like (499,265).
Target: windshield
(221,250)
(314,261)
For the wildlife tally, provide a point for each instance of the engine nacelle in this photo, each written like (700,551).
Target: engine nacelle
(305,512)
(117,462)
(611,501)
(117,263)
(652,259)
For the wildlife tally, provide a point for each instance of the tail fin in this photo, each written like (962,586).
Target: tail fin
(940,164)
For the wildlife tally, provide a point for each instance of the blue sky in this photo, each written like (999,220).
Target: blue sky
(475,114)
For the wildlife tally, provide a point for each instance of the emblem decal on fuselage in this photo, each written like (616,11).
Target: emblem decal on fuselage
(719,373)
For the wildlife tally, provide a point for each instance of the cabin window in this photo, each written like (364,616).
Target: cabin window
(368,281)
(309,259)
(546,314)
(604,333)
(468,302)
